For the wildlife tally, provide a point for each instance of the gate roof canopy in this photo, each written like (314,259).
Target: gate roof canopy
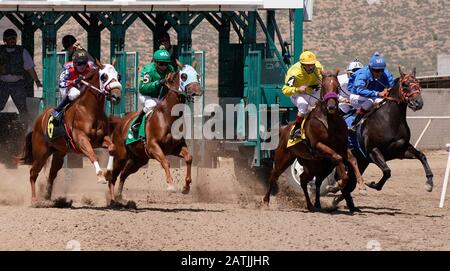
(147,5)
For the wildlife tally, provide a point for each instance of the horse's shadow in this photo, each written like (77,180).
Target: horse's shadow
(146,209)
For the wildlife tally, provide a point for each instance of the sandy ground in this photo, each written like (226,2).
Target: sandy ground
(223,212)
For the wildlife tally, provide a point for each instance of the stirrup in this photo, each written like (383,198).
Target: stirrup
(295,134)
(135,127)
(56,115)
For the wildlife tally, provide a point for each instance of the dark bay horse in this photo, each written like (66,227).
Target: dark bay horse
(386,134)
(326,132)
(159,142)
(85,120)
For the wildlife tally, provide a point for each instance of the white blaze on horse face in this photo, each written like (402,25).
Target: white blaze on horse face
(111,74)
(192,76)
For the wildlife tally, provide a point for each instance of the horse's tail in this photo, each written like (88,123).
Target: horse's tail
(26,158)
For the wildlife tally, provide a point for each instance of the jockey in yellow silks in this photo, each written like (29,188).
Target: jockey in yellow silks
(301,84)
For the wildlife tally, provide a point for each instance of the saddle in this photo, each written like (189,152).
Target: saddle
(302,137)
(55,128)
(131,136)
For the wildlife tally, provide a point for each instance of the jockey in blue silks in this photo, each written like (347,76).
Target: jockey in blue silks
(369,85)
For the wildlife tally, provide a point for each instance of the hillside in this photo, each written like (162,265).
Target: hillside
(408,33)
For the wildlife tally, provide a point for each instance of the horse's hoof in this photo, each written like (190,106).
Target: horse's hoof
(186,190)
(373,185)
(428,187)
(311,209)
(171,189)
(355,210)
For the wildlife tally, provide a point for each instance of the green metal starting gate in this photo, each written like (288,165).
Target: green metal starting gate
(127,67)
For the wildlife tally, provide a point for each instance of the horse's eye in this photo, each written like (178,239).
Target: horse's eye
(104,77)
(119,77)
(183,77)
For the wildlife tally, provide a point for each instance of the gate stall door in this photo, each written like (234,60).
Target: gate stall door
(52,68)
(127,67)
(197,146)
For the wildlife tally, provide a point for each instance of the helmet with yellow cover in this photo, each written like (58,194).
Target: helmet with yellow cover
(308,58)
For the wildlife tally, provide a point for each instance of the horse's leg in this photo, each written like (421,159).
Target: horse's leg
(338,160)
(57,163)
(131,167)
(346,193)
(305,178)
(378,159)
(158,154)
(188,159)
(86,148)
(318,182)
(354,164)
(112,177)
(40,158)
(413,153)
(281,163)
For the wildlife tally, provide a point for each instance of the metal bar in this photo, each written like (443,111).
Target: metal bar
(423,132)
(15,21)
(80,21)
(212,21)
(298,32)
(147,20)
(62,20)
(237,30)
(130,20)
(271,43)
(197,20)
(445,183)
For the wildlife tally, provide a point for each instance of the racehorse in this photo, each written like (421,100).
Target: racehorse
(385,133)
(159,141)
(326,133)
(85,123)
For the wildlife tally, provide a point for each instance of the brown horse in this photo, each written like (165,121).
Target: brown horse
(326,134)
(86,122)
(159,142)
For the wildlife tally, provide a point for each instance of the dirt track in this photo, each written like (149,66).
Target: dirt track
(222,213)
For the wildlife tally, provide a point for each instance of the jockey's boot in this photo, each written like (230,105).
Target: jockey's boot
(296,131)
(57,110)
(137,123)
(359,115)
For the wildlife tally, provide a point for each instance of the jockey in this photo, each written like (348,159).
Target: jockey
(163,39)
(370,85)
(344,95)
(301,84)
(70,78)
(151,85)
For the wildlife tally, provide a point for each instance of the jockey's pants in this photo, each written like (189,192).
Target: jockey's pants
(18,95)
(303,101)
(148,102)
(365,103)
(72,94)
(345,103)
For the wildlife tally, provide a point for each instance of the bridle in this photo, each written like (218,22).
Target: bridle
(408,86)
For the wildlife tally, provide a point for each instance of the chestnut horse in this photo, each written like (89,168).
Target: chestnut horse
(85,121)
(159,141)
(326,134)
